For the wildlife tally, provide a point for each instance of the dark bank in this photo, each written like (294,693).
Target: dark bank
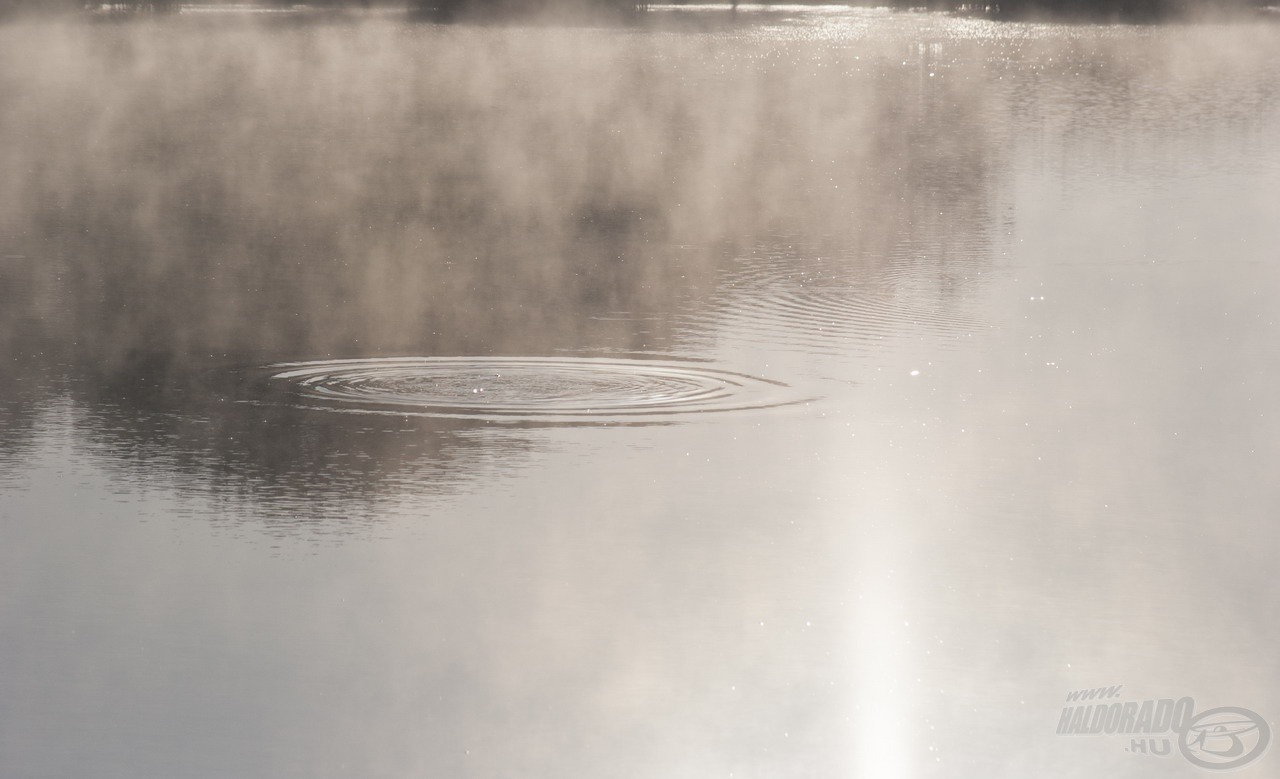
(449,10)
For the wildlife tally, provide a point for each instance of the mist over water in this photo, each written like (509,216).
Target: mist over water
(802,391)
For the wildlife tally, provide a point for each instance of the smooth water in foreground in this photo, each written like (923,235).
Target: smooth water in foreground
(806,392)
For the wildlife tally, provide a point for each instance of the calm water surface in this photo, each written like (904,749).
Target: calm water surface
(807,392)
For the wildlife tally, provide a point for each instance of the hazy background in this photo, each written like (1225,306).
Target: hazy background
(1019,279)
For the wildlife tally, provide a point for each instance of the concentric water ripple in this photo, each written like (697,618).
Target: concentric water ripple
(828,306)
(511,388)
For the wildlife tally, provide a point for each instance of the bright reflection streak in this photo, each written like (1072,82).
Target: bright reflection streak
(880,738)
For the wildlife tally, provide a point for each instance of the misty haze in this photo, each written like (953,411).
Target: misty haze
(648,391)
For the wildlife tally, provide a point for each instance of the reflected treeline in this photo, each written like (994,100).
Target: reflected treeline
(1145,114)
(189,204)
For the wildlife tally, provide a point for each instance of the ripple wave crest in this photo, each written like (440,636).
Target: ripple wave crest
(521,388)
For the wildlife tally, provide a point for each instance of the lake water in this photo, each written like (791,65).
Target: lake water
(800,392)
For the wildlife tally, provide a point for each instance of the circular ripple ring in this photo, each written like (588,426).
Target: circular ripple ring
(513,387)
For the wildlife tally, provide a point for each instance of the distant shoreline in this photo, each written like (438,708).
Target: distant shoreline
(1079,11)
